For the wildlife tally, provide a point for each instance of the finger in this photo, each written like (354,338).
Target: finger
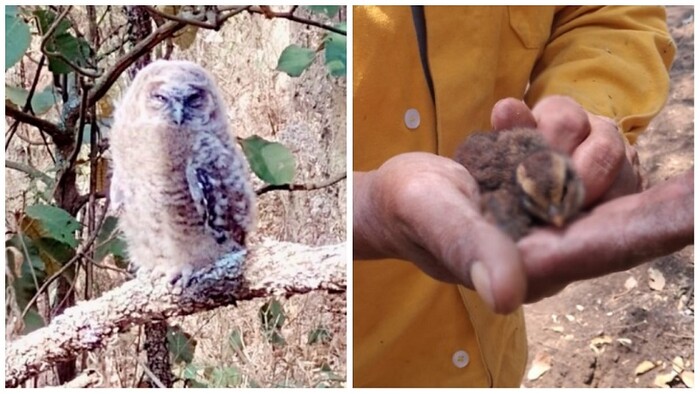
(447,233)
(509,113)
(629,179)
(599,158)
(603,241)
(480,255)
(562,121)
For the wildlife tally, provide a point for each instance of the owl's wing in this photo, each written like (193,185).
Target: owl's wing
(219,189)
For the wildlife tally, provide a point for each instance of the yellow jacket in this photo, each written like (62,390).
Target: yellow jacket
(410,330)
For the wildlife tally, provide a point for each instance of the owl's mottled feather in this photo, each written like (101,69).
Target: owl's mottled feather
(180,179)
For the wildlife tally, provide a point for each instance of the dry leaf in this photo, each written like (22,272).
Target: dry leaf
(540,364)
(569,337)
(688,378)
(570,317)
(644,367)
(558,329)
(663,379)
(185,37)
(598,343)
(579,308)
(625,341)
(105,107)
(677,364)
(630,283)
(101,170)
(169,9)
(656,279)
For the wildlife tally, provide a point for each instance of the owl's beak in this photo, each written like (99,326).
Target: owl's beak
(178,112)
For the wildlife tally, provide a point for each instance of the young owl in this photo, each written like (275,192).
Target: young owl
(179,179)
(521,179)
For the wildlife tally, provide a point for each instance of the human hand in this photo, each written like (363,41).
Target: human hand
(606,163)
(614,236)
(425,209)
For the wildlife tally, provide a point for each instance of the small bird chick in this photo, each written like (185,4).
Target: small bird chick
(521,179)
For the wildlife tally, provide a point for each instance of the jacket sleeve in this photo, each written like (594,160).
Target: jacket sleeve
(613,60)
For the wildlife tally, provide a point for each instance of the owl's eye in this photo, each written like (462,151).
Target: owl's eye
(160,98)
(195,100)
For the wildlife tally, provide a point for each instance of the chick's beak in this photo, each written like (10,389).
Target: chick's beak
(556,217)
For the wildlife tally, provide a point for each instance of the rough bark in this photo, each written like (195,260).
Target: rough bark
(158,357)
(269,268)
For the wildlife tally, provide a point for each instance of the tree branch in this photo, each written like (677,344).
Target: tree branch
(290,16)
(269,268)
(29,170)
(301,187)
(50,128)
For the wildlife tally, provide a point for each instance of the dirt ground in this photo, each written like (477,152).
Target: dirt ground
(598,333)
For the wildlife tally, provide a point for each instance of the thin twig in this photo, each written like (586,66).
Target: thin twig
(29,170)
(301,187)
(290,16)
(110,76)
(28,108)
(81,122)
(178,18)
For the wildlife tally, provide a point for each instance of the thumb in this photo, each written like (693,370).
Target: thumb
(490,262)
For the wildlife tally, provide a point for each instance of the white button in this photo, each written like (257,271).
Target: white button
(460,359)
(412,118)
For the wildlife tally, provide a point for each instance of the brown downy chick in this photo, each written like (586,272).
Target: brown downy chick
(521,179)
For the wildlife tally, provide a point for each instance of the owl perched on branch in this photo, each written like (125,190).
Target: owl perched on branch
(178,177)
(521,179)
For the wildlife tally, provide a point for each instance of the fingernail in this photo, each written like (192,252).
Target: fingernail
(482,283)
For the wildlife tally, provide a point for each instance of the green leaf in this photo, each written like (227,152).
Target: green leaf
(55,223)
(46,18)
(32,267)
(54,254)
(196,384)
(109,241)
(17,36)
(272,315)
(336,52)
(42,101)
(32,321)
(235,340)
(181,345)
(295,59)
(225,377)
(190,371)
(329,10)
(319,335)
(270,161)
(272,318)
(61,41)
(74,49)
